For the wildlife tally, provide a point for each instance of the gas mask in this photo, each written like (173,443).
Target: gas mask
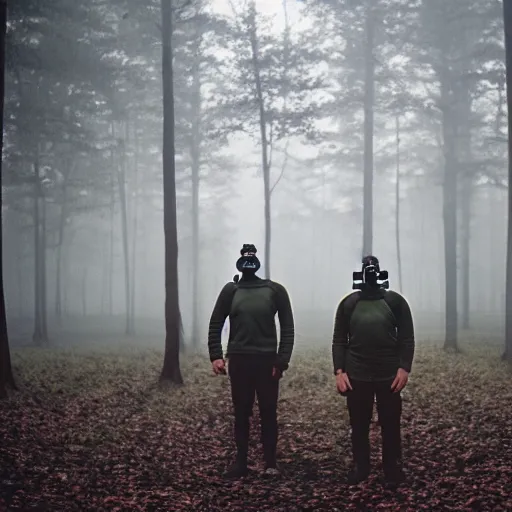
(248,263)
(371,276)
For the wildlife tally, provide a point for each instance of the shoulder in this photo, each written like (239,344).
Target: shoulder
(396,300)
(228,288)
(277,287)
(395,297)
(350,299)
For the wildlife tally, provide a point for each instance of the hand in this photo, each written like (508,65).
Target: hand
(219,367)
(400,380)
(343,382)
(276,373)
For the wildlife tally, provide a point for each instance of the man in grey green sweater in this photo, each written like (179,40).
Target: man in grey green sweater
(256,363)
(373,350)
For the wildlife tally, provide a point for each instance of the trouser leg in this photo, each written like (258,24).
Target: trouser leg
(267,391)
(360,409)
(389,408)
(243,392)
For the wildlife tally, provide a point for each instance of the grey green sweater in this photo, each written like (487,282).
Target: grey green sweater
(251,306)
(373,335)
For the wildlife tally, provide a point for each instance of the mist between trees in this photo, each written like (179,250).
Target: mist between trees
(318,130)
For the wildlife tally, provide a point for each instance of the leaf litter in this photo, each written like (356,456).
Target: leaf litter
(91,430)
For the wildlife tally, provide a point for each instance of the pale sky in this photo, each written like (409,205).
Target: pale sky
(269,8)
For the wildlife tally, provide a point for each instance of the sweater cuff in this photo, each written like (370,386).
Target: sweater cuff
(281,365)
(405,366)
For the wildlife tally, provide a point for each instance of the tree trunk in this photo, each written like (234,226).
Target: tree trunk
(112,219)
(507,15)
(104,275)
(171,367)
(38,329)
(449,216)
(6,375)
(465,211)
(466,189)
(369,99)
(65,281)
(44,301)
(135,218)
(195,153)
(58,270)
(121,176)
(397,208)
(264,138)
(19,269)
(84,292)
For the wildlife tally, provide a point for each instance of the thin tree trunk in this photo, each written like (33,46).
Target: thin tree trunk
(450,218)
(466,177)
(264,140)
(494,235)
(466,248)
(38,332)
(507,15)
(44,306)
(135,218)
(19,267)
(171,367)
(195,153)
(369,99)
(112,219)
(6,374)
(65,281)
(397,209)
(104,273)
(58,270)
(121,175)
(84,292)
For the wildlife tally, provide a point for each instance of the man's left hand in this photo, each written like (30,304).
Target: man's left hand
(400,380)
(276,373)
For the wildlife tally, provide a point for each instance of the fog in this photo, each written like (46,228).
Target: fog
(93,141)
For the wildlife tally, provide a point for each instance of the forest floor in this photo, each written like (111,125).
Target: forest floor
(91,431)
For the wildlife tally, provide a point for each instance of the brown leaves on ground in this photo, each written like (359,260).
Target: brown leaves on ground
(92,431)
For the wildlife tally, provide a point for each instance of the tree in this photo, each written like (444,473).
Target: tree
(271,93)
(507,17)
(455,44)
(171,368)
(366,36)
(55,85)
(369,101)
(6,375)
(397,206)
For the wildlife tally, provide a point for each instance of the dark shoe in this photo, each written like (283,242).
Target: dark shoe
(237,470)
(357,475)
(394,477)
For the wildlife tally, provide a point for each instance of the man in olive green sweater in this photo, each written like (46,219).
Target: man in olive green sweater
(256,363)
(373,351)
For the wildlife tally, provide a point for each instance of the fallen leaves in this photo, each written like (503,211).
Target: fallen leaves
(93,431)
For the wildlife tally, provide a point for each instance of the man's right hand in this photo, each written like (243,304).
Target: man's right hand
(342,382)
(219,367)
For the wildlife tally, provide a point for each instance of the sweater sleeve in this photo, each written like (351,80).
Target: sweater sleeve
(404,329)
(220,312)
(340,338)
(287,338)
(405,334)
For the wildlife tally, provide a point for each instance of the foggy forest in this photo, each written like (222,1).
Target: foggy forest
(145,142)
